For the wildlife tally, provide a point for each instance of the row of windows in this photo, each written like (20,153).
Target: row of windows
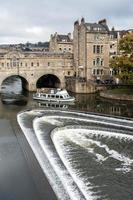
(20,64)
(98,62)
(97,72)
(97,49)
(65,49)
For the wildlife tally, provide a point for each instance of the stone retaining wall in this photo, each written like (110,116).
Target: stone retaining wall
(123,97)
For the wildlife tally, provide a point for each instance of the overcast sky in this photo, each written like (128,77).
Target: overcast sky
(35,20)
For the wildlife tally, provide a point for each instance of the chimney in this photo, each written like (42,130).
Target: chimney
(69,35)
(103,22)
(76,23)
(113,29)
(82,20)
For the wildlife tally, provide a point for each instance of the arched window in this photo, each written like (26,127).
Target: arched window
(98,61)
(14,62)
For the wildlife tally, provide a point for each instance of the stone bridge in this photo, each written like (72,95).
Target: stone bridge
(36,69)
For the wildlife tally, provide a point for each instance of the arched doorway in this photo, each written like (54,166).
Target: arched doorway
(14,84)
(48,81)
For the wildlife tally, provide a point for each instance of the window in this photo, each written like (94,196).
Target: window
(98,61)
(68,73)
(97,72)
(94,49)
(32,64)
(37,64)
(97,49)
(102,49)
(14,62)
(2,64)
(101,62)
(48,63)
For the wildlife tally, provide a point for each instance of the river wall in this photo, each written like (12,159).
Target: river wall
(123,97)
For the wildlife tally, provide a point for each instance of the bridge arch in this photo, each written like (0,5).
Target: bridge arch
(14,83)
(48,81)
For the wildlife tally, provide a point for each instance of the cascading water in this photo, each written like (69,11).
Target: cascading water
(84,156)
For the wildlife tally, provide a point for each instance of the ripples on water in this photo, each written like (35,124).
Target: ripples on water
(84,156)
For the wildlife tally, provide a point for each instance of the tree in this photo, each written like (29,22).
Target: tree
(126,44)
(123,64)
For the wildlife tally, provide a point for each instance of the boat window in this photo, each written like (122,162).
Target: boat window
(57,96)
(49,95)
(61,97)
(53,96)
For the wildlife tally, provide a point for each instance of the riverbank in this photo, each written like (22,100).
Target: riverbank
(118,94)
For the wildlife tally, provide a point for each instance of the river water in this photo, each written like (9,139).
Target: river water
(85,155)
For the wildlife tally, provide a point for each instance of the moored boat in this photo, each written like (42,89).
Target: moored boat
(54,95)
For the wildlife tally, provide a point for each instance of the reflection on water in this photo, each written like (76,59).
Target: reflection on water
(12,93)
(52,105)
(97,104)
(11,85)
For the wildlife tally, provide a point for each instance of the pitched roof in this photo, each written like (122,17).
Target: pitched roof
(97,27)
(63,38)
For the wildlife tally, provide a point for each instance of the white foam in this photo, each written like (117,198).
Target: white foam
(42,159)
(85,188)
(78,136)
(51,119)
(65,177)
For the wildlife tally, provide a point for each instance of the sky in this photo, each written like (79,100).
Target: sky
(24,21)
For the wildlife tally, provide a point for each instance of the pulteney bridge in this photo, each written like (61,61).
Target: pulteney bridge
(36,69)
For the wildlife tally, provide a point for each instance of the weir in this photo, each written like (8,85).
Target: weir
(83,155)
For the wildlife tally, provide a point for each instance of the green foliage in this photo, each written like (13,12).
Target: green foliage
(126,44)
(123,64)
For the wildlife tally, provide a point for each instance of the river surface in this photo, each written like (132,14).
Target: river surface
(85,155)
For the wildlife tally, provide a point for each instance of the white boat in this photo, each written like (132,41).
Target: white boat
(54,95)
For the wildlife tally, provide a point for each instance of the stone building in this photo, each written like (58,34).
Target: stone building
(114,41)
(91,55)
(61,43)
(115,36)
(91,50)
